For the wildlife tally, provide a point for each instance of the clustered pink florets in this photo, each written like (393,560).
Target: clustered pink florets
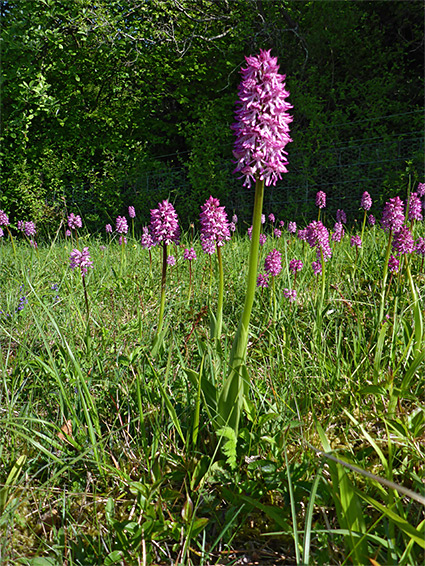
(30,229)
(356,241)
(74,221)
(81,260)
(214,223)
(146,240)
(338,232)
(393,215)
(262,126)
(164,224)
(189,254)
(121,225)
(263,280)
(317,267)
(366,202)
(318,237)
(302,234)
(273,263)
(292,227)
(321,199)
(421,189)
(4,219)
(341,217)
(295,265)
(393,264)
(415,207)
(403,242)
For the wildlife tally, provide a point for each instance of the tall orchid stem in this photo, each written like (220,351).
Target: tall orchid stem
(219,320)
(384,278)
(417,313)
(163,281)
(273,295)
(238,352)
(364,224)
(236,385)
(122,254)
(11,240)
(85,297)
(190,283)
(321,296)
(150,264)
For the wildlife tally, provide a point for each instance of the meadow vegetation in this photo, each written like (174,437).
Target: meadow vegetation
(109,452)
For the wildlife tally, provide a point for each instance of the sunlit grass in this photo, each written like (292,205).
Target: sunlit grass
(104,459)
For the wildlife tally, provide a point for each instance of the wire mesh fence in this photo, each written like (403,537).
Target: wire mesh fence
(343,172)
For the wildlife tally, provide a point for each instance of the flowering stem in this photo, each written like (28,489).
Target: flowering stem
(417,313)
(322,297)
(384,277)
(150,263)
(163,281)
(273,295)
(236,386)
(219,320)
(11,240)
(85,297)
(364,224)
(238,352)
(122,254)
(190,283)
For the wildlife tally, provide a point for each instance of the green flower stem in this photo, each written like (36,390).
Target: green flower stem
(190,284)
(384,278)
(417,313)
(85,297)
(236,385)
(150,264)
(364,224)
(163,281)
(219,319)
(210,281)
(322,297)
(11,240)
(273,298)
(122,255)
(238,352)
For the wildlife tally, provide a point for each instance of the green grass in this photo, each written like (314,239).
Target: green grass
(108,449)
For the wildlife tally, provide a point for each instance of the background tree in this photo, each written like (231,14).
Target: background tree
(95,95)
